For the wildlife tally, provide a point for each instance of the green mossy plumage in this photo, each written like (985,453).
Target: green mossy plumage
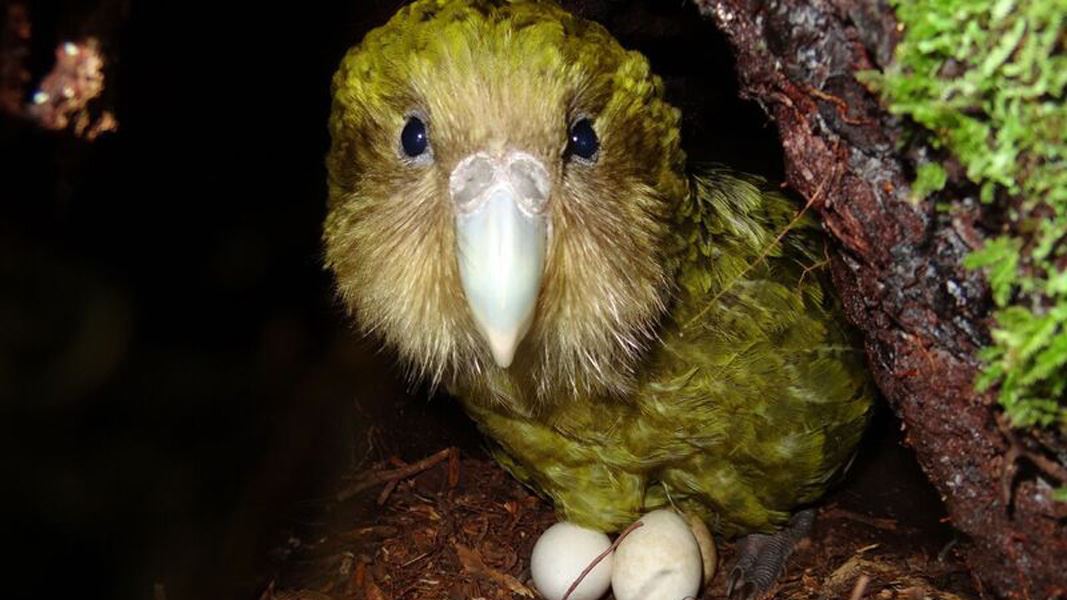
(684,349)
(751,404)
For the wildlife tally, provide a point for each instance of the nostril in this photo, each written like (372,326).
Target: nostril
(531,182)
(470,179)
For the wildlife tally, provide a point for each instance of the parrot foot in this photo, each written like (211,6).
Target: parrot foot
(761,558)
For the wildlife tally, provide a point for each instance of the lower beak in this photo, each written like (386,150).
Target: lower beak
(501,236)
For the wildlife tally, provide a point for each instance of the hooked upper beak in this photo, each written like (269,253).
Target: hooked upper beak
(501,236)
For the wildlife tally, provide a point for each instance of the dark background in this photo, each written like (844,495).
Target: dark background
(177,385)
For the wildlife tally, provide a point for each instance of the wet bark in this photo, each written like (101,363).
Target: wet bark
(897,265)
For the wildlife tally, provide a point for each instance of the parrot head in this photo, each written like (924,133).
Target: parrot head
(502,180)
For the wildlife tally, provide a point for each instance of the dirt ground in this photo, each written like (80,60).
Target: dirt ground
(458,527)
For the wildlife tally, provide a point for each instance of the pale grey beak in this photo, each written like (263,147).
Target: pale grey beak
(501,236)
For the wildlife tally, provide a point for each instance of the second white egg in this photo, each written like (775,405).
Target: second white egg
(658,561)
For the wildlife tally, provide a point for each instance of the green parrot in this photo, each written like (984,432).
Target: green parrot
(511,211)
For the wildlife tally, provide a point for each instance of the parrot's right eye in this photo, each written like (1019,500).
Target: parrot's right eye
(413,139)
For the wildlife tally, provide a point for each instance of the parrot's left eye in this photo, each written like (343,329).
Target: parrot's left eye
(413,139)
(583,141)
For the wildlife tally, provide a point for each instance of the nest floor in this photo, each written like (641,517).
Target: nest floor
(456,526)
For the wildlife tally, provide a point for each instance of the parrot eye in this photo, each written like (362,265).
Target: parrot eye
(413,139)
(583,141)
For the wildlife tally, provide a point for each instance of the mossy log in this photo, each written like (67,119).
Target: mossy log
(897,265)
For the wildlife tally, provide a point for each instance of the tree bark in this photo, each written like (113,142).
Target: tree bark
(897,265)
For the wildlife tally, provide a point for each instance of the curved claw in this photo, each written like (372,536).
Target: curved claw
(737,576)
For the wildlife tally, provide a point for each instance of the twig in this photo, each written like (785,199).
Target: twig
(453,468)
(1048,467)
(394,474)
(414,560)
(766,250)
(588,569)
(860,588)
(822,263)
(1007,474)
(878,522)
(387,491)
(842,106)
(1017,450)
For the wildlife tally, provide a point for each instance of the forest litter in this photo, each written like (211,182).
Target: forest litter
(452,527)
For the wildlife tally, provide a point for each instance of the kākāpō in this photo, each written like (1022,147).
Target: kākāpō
(511,210)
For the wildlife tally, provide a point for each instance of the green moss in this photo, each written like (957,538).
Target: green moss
(929,178)
(986,80)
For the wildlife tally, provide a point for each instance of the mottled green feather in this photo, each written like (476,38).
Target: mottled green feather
(750,405)
(684,349)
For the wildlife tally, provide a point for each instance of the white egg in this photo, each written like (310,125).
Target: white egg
(561,554)
(658,561)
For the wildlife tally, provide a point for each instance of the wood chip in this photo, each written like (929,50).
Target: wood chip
(472,562)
